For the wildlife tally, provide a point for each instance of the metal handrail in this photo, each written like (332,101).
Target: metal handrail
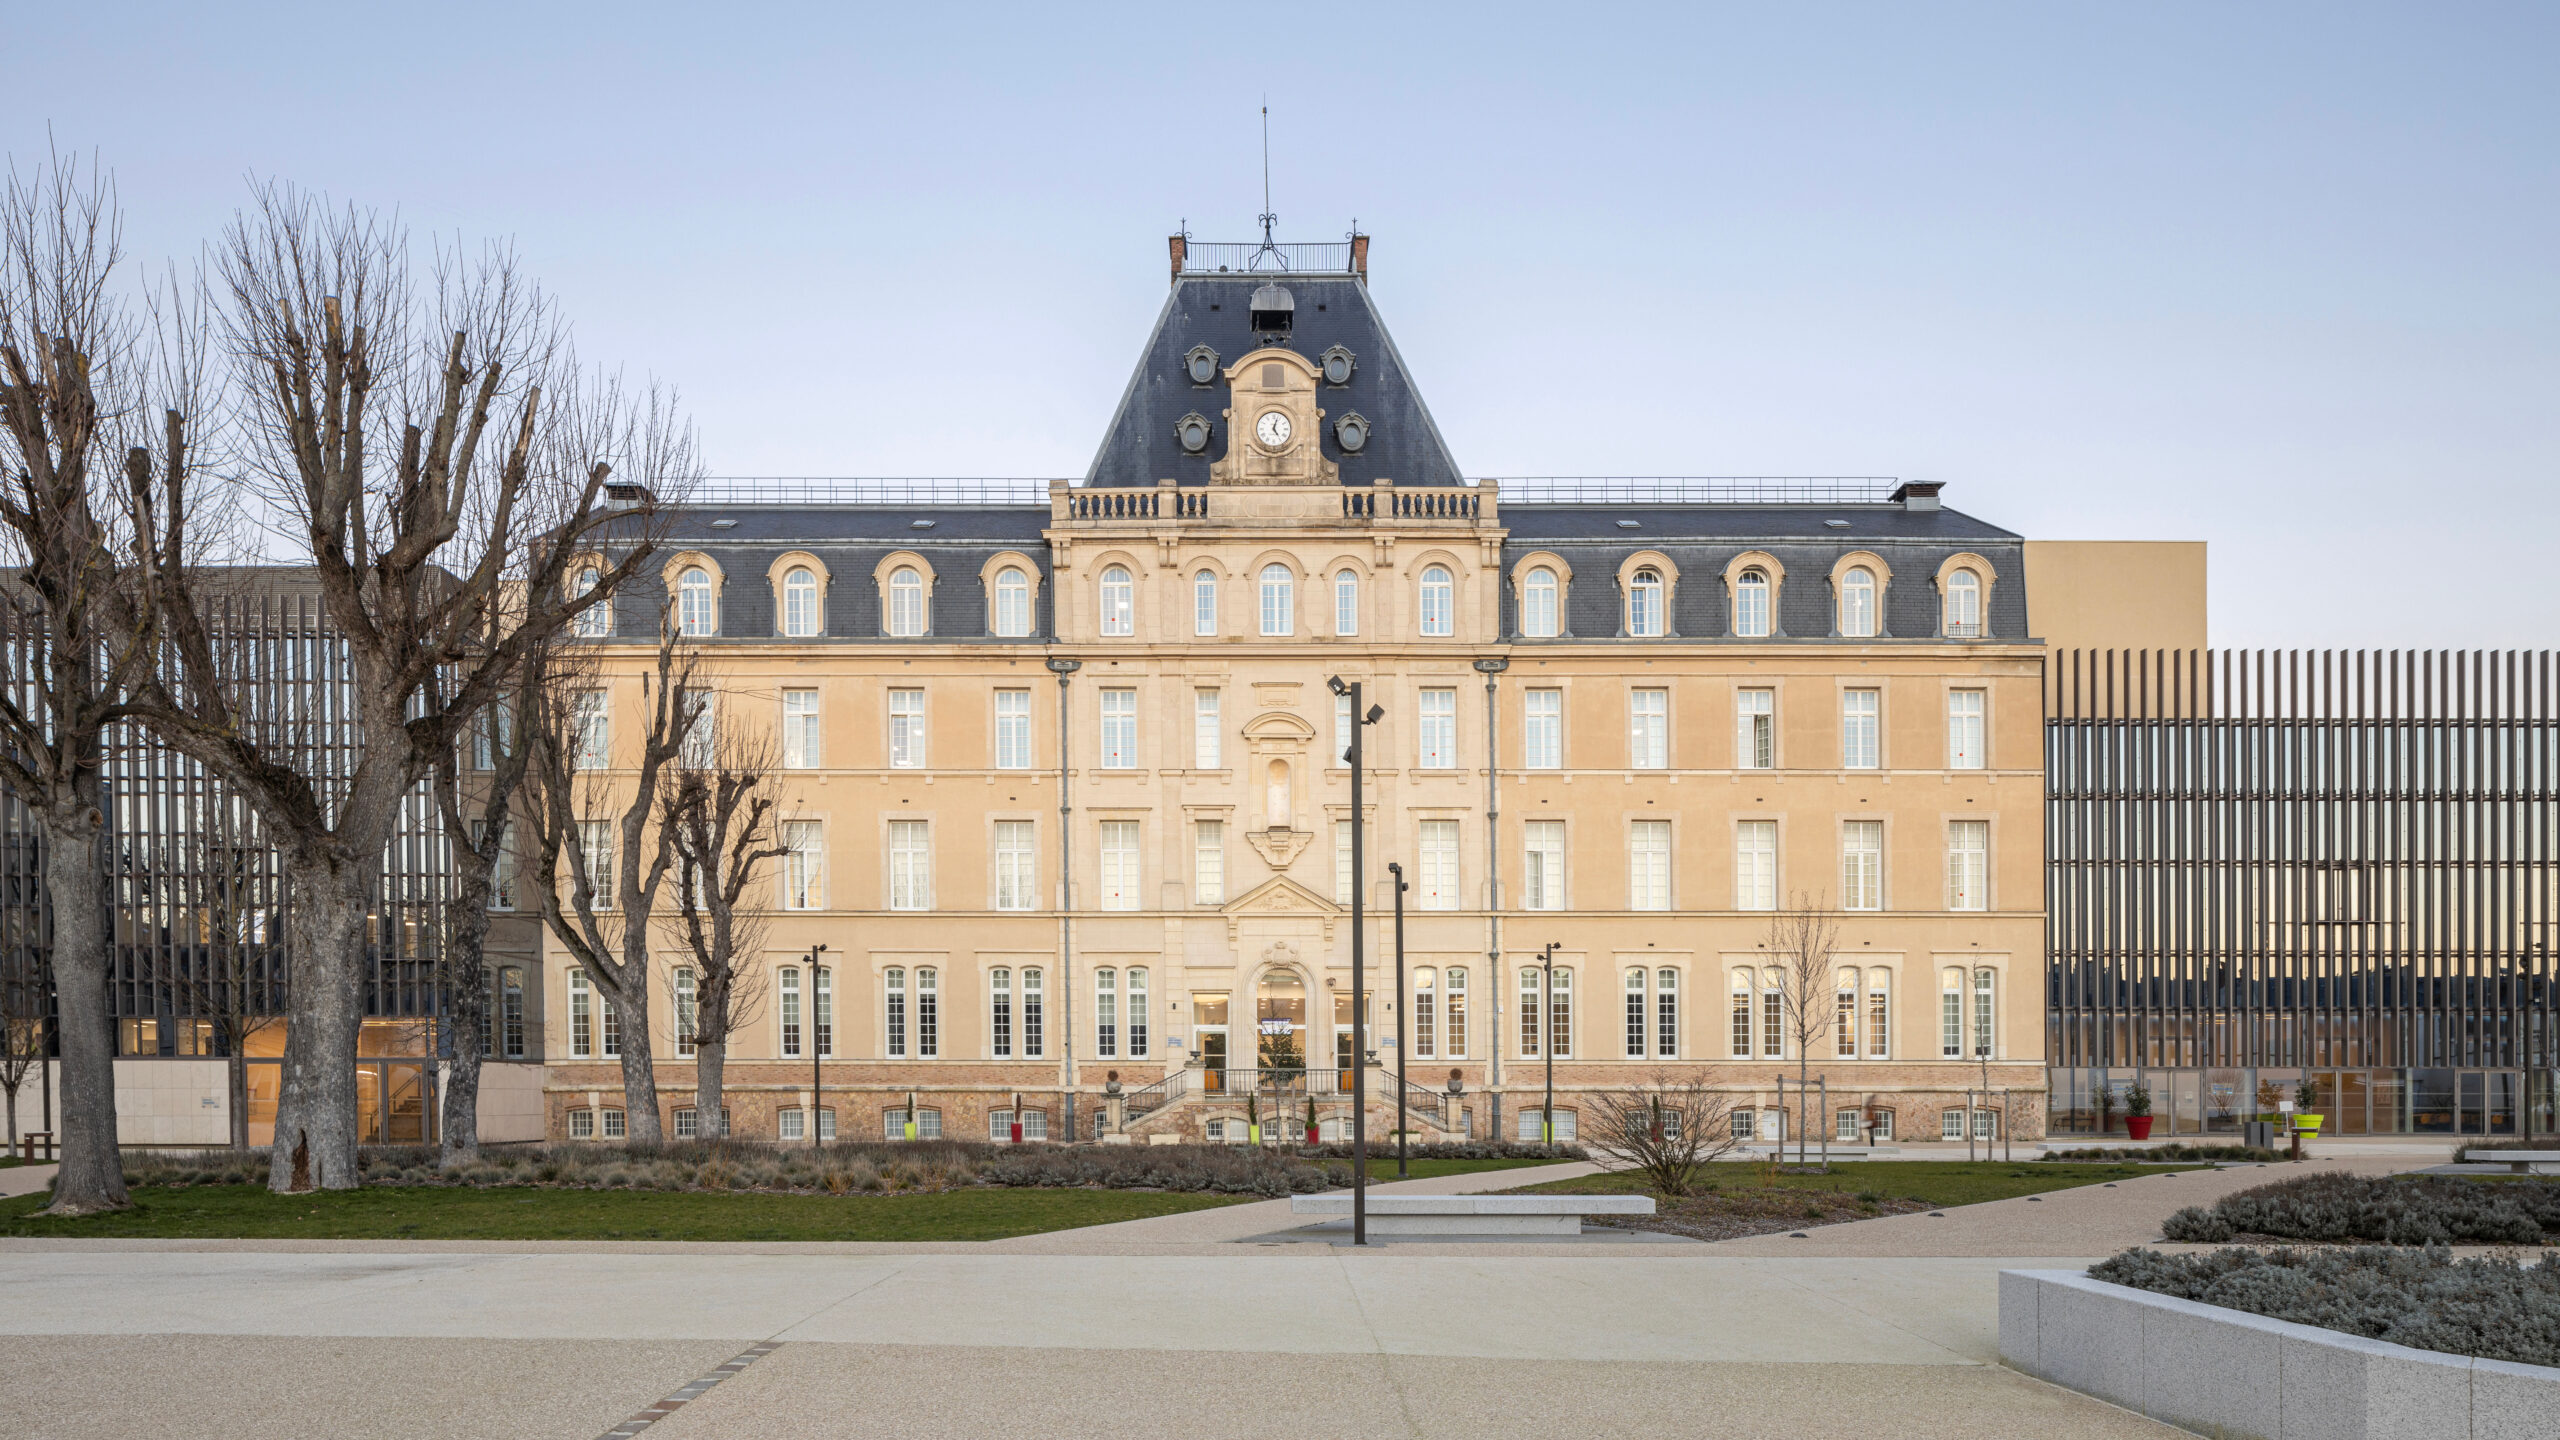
(874,490)
(1147,1099)
(1212,257)
(1693,490)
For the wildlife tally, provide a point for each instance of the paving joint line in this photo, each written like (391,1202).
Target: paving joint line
(691,1391)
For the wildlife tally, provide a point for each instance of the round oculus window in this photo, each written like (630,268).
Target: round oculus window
(1192,433)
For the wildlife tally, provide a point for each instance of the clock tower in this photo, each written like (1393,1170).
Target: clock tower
(1273,423)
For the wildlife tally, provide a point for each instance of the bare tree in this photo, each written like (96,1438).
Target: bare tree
(437,459)
(718,819)
(1801,939)
(22,1039)
(229,978)
(76,380)
(600,858)
(479,821)
(1669,1128)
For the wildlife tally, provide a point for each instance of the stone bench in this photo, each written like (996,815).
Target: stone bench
(2522,1162)
(1473,1214)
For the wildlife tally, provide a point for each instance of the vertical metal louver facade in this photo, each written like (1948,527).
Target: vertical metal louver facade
(2271,869)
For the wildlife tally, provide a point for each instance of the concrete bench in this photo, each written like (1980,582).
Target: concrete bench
(2522,1162)
(1474,1214)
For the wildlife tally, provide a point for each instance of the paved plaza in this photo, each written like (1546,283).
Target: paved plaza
(1166,1327)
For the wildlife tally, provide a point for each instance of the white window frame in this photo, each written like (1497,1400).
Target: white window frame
(1437,879)
(800,602)
(1542,874)
(1648,864)
(1755,728)
(910,865)
(1341,862)
(1119,859)
(1204,602)
(591,718)
(1346,602)
(1208,862)
(1964,606)
(1755,865)
(1646,597)
(1439,614)
(1278,609)
(1862,865)
(1118,731)
(596,621)
(1205,734)
(1648,728)
(697,602)
(1438,730)
(1013,729)
(1858,603)
(1666,1014)
(906,729)
(1119,615)
(1013,603)
(1968,729)
(905,615)
(1968,865)
(1539,607)
(804,865)
(1017,856)
(1861,729)
(1542,729)
(1751,597)
(801,732)
(789,1034)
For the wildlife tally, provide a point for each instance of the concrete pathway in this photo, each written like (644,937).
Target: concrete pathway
(25,1179)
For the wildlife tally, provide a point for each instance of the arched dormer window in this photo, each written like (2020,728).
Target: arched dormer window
(1858,603)
(1644,602)
(1013,602)
(906,601)
(1278,600)
(697,602)
(1751,603)
(1538,605)
(1964,606)
(1346,602)
(1204,603)
(596,621)
(1439,602)
(800,602)
(1119,602)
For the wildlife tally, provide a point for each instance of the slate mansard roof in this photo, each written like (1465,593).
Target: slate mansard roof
(1139,447)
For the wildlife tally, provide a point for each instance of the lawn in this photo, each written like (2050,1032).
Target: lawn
(423,1212)
(1739,1200)
(1419,1169)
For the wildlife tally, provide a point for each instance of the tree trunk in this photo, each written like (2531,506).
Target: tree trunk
(458,1136)
(639,1072)
(709,1058)
(92,1175)
(316,1123)
(13,1119)
(239,1069)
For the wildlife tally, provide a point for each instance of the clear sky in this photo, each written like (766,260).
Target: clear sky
(2278,277)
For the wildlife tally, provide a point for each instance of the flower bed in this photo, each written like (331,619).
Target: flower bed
(2397,1210)
(845,1169)
(2496,1309)
(2164,1153)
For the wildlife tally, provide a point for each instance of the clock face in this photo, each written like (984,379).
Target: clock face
(1272,429)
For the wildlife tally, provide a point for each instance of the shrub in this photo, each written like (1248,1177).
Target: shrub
(2169,1152)
(1454,1150)
(2394,1210)
(2497,1309)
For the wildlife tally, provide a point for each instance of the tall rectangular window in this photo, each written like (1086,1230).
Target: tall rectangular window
(1860,715)
(1439,729)
(1119,729)
(1648,729)
(787,1013)
(1426,1014)
(1862,865)
(804,865)
(582,1024)
(695,710)
(906,729)
(1844,1038)
(1755,865)
(595,846)
(910,866)
(1346,603)
(1649,865)
(1666,1014)
(928,1014)
(1017,866)
(1635,1013)
(1965,729)
(1560,1014)
(822,1010)
(1453,1028)
(1119,865)
(1542,729)
(1982,1011)
(1542,865)
(1341,729)
(1532,1012)
(1741,1037)
(800,729)
(1134,991)
(1341,862)
(1755,729)
(1773,1017)
(1968,864)
(1204,603)
(1209,862)
(1034,1018)
(1204,730)
(1013,729)
(591,720)
(1106,1013)
(492,735)
(1438,884)
(893,1012)
(1879,1011)
(1951,1015)
(1000,1013)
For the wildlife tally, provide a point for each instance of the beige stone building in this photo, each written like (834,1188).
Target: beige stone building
(1065,790)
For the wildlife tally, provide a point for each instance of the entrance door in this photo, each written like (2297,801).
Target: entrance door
(368,1105)
(1280,1012)
(404,1104)
(1213,1058)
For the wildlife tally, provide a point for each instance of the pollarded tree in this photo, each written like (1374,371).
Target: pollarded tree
(439,467)
(718,819)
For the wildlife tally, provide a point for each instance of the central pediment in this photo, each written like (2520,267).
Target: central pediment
(1280,896)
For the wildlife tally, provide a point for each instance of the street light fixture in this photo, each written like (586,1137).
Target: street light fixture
(817,1049)
(1361,720)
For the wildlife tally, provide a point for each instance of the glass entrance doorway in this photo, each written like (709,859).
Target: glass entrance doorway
(1209,1040)
(1280,1015)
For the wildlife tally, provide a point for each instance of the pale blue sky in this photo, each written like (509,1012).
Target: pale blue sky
(2279,277)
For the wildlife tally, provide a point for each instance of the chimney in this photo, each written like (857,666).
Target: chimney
(1917,495)
(627,495)
(1360,256)
(1175,243)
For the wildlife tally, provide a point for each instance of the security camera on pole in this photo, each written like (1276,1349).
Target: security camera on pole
(1361,720)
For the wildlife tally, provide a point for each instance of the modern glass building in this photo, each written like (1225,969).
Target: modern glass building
(2272,869)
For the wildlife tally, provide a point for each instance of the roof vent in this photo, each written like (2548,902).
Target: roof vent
(1630,525)
(724,524)
(1273,310)
(1835,524)
(919,524)
(1917,494)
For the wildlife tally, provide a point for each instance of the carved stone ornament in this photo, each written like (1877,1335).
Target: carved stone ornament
(1278,847)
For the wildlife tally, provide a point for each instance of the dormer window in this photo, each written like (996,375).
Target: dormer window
(1858,603)
(1751,604)
(800,602)
(1119,602)
(906,602)
(1644,602)
(697,603)
(1964,606)
(596,621)
(1013,603)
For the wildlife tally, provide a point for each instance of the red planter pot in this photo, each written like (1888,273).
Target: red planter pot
(2138,1126)
(1311,1135)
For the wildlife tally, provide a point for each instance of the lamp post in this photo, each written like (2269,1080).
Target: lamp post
(1361,720)
(1547,1038)
(817,1047)
(1404,1047)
